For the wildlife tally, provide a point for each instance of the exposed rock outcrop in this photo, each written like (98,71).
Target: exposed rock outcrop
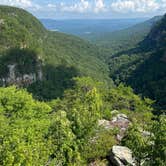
(12,71)
(2,21)
(20,79)
(122,122)
(121,156)
(119,121)
(105,123)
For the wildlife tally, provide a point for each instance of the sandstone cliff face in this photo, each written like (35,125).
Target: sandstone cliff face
(15,78)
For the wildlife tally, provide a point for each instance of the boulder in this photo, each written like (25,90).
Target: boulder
(121,156)
(119,121)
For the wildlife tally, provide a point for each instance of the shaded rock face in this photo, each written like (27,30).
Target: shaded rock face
(119,121)
(12,71)
(22,79)
(121,156)
(20,66)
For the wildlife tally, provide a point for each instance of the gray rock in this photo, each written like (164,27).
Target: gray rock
(122,122)
(2,21)
(13,78)
(119,121)
(121,156)
(145,133)
(105,123)
(12,71)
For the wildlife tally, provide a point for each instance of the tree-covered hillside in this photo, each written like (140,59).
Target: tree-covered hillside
(61,55)
(19,28)
(143,67)
(126,38)
(58,106)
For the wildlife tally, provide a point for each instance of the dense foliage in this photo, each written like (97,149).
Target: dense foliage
(19,29)
(62,132)
(58,124)
(143,67)
(149,149)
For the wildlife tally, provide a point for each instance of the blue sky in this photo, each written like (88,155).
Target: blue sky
(86,9)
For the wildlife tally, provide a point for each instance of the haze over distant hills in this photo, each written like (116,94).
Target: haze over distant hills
(90,27)
(120,38)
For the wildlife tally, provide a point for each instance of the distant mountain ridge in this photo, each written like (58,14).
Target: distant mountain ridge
(119,39)
(89,28)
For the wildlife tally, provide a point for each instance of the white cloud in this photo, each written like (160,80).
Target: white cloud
(141,6)
(94,7)
(82,6)
(99,6)
(19,3)
(79,7)
(163,5)
(51,5)
(25,4)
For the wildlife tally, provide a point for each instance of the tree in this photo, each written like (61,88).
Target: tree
(152,148)
(158,148)
(83,107)
(24,124)
(135,141)
(65,150)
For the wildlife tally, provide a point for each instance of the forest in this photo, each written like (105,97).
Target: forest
(65,101)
